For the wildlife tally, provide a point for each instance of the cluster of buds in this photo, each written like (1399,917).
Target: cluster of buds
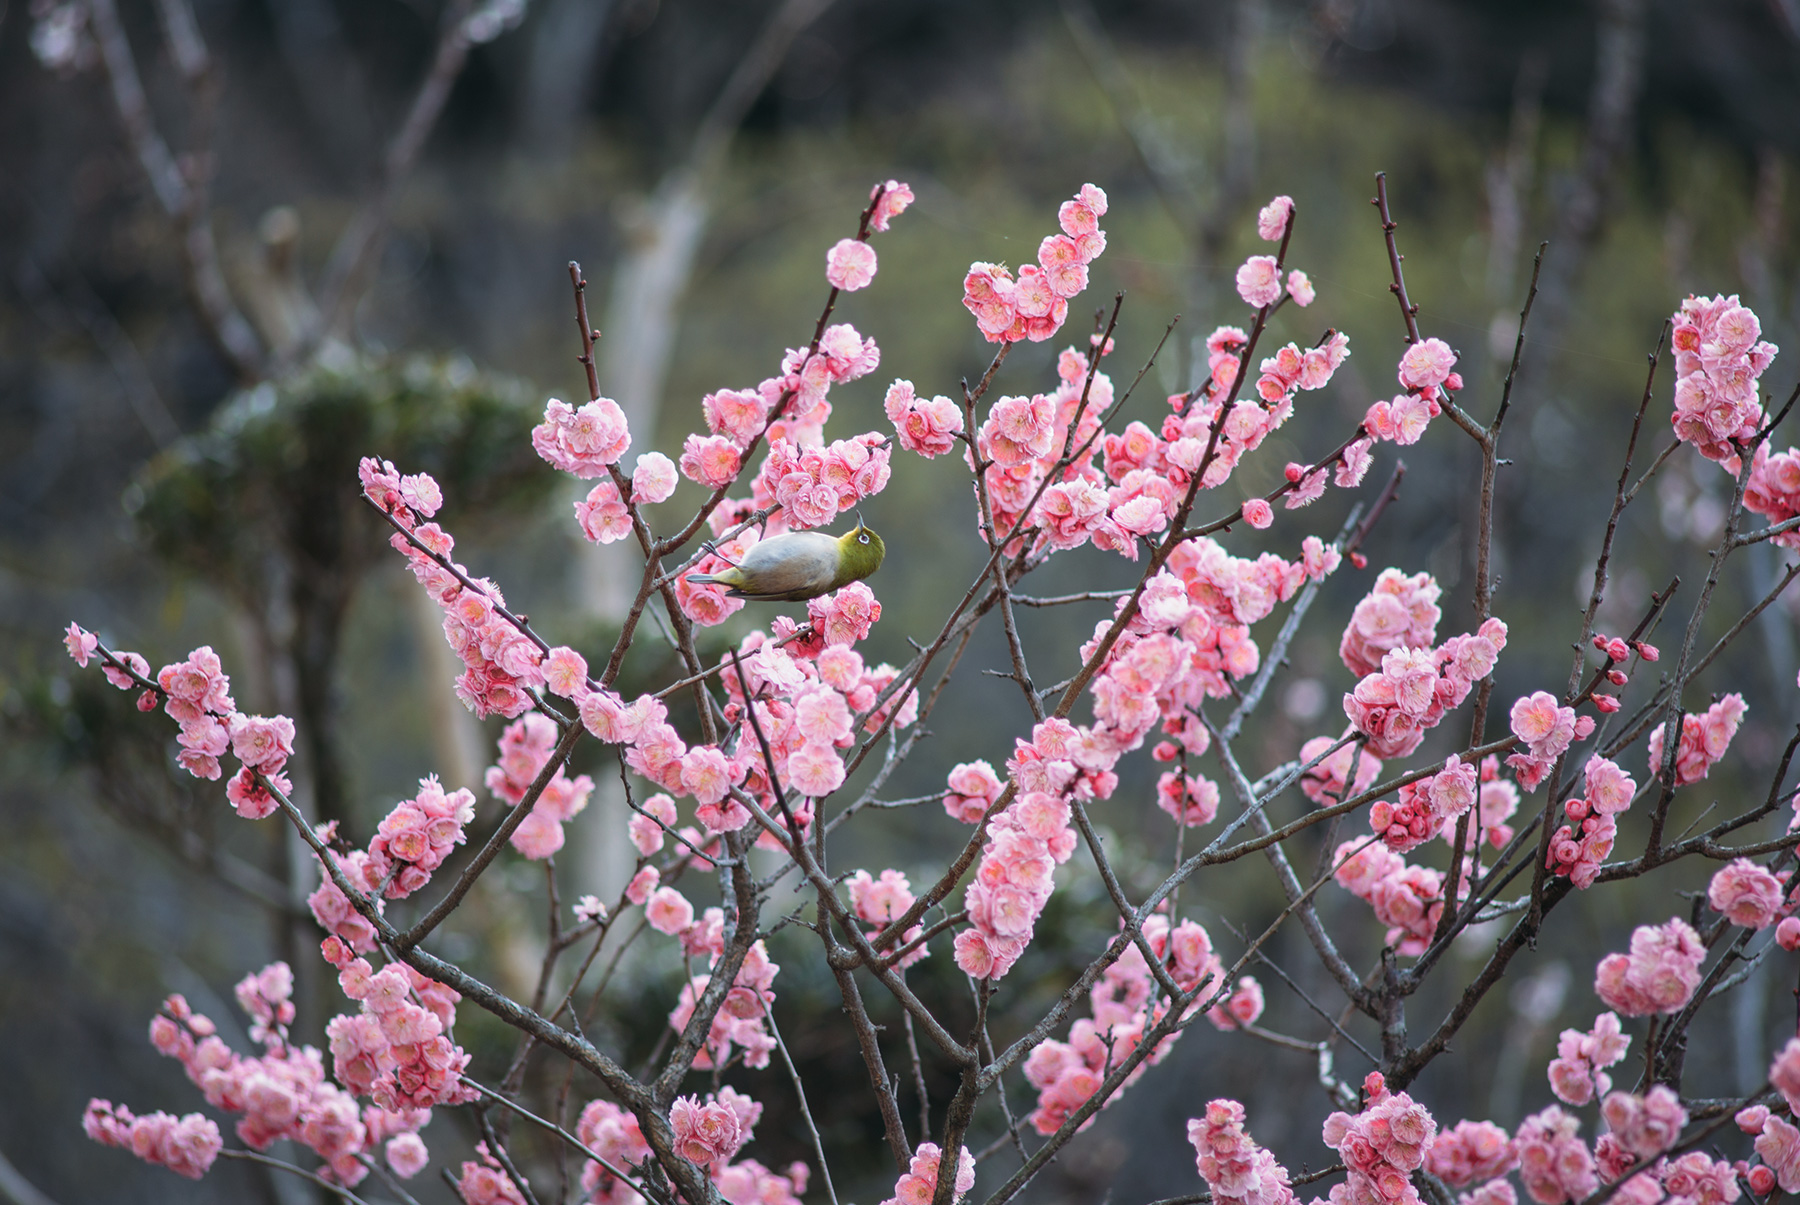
(1578,848)
(1617,652)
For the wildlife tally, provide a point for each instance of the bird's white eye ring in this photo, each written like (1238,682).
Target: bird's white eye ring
(863,538)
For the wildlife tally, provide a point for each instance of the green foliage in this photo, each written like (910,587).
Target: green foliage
(276,468)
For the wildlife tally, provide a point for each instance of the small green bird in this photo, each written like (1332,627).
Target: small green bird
(798,565)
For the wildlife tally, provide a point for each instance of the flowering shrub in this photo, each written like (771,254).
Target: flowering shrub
(789,712)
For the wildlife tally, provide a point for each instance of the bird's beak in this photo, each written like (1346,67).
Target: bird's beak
(859,522)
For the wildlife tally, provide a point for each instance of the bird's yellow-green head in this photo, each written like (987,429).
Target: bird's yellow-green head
(860,552)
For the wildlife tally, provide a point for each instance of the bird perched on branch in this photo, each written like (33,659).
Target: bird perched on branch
(798,565)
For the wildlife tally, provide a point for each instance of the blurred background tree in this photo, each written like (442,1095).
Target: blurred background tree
(243,244)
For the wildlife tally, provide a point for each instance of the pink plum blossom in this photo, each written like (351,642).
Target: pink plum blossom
(584,441)
(1259,281)
(850,265)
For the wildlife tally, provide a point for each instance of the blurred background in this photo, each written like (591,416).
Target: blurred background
(245,243)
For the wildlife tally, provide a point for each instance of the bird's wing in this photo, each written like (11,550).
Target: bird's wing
(796,565)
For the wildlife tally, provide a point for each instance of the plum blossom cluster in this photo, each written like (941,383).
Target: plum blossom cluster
(1035,305)
(809,695)
(485,1182)
(582,442)
(1426,808)
(1238,1171)
(1381,1146)
(196,694)
(1427,379)
(918,1183)
(1704,739)
(813,485)
(708,1132)
(1190,800)
(397,1050)
(410,843)
(525,749)
(281,1094)
(1022,442)
(604,515)
(1470,1152)
(1210,430)
(739,1024)
(186,1146)
(1638,1127)
(880,901)
(1241,1008)
(1124,1005)
(1748,894)
(1718,357)
(1416,687)
(1189,637)
(1330,780)
(1554,1163)
(1408,899)
(1026,842)
(502,663)
(972,789)
(928,426)
(1777,1145)
(614,1135)
(1578,848)
(1546,730)
(1578,1072)
(1773,490)
(1659,974)
(850,264)
(1496,800)
(1398,612)
(1695,1178)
